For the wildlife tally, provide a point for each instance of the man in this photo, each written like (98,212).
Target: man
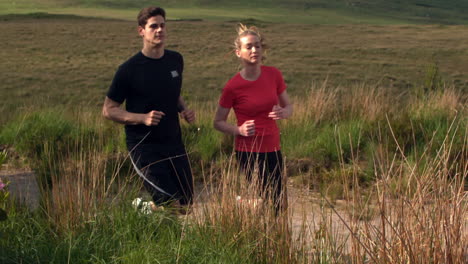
(150,84)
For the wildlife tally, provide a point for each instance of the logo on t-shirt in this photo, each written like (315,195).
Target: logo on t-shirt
(174,74)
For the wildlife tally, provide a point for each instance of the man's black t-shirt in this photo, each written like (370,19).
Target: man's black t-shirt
(147,84)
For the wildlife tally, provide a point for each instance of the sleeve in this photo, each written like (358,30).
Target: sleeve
(227,97)
(181,63)
(181,68)
(280,84)
(118,89)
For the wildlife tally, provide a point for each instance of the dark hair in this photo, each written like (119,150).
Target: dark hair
(148,12)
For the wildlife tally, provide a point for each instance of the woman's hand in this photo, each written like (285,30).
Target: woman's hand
(247,129)
(283,110)
(277,113)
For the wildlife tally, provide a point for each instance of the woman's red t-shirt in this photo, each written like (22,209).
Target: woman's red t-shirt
(253,100)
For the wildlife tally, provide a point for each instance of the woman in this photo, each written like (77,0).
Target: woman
(258,96)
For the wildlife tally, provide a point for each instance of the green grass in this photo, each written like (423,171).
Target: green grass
(118,235)
(297,11)
(82,222)
(388,86)
(75,63)
(72,69)
(320,16)
(421,188)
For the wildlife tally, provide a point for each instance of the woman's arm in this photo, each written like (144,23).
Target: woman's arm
(220,123)
(284,110)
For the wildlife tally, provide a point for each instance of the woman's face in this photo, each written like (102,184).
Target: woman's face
(250,51)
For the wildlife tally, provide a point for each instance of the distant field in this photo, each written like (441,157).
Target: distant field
(50,60)
(277,15)
(291,11)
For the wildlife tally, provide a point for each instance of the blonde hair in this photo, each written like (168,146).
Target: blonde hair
(243,30)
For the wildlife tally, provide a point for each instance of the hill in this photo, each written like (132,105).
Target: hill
(291,11)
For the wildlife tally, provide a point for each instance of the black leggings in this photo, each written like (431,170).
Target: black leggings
(270,171)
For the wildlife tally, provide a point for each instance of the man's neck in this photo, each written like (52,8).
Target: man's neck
(153,52)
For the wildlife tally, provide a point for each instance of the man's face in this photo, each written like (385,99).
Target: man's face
(154,32)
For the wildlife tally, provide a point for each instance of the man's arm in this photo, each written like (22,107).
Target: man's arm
(112,111)
(187,114)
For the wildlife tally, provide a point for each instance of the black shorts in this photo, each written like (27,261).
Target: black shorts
(165,170)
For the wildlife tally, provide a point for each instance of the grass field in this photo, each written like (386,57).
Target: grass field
(293,11)
(69,61)
(380,124)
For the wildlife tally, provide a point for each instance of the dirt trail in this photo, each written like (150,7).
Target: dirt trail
(305,209)
(22,186)
(309,214)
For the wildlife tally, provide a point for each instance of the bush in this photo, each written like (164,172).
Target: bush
(44,137)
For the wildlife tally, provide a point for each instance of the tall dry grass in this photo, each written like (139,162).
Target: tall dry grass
(420,210)
(84,180)
(361,101)
(236,209)
(414,210)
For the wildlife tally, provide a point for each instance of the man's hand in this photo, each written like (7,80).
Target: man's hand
(247,129)
(188,115)
(153,118)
